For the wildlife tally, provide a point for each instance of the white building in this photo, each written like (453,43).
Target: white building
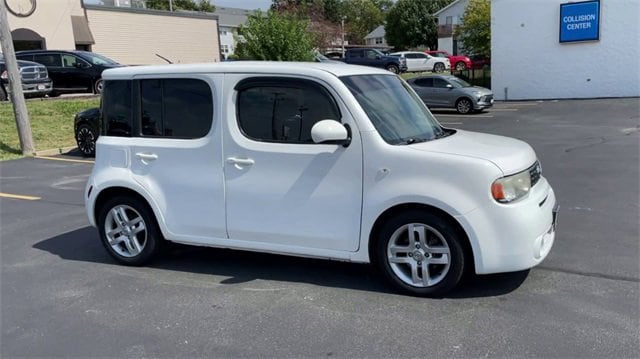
(530,62)
(230,20)
(449,17)
(376,37)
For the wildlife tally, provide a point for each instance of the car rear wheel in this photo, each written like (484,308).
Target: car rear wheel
(393,68)
(128,230)
(460,66)
(438,67)
(98,86)
(464,106)
(420,253)
(86,140)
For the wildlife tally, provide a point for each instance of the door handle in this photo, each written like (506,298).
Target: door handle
(240,162)
(146,158)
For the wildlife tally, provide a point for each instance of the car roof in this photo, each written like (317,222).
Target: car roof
(408,52)
(434,76)
(257,67)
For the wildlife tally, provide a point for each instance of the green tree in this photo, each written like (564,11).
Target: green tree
(361,17)
(190,5)
(275,37)
(475,29)
(410,23)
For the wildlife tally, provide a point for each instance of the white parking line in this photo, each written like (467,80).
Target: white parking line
(465,116)
(503,109)
(62,159)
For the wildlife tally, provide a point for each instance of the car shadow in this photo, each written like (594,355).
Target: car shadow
(241,266)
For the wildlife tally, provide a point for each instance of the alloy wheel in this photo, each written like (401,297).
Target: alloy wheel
(126,231)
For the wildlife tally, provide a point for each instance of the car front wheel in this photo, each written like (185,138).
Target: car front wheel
(460,66)
(86,140)
(128,230)
(393,68)
(98,86)
(464,106)
(420,253)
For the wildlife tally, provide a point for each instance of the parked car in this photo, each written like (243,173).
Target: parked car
(480,61)
(311,159)
(35,79)
(375,58)
(458,62)
(71,71)
(419,61)
(86,125)
(452,92)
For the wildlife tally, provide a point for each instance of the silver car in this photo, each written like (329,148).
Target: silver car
(451,92)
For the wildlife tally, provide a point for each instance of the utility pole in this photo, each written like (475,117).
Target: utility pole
(15,84)
(342,31)
(171,5)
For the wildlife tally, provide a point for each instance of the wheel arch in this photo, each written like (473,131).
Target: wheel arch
(399,208)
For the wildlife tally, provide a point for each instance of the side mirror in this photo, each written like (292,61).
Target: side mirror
(449,86)
(331,132)
(80,65)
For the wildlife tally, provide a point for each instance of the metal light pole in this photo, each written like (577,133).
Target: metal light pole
(15,84)
(342,23)
(171,5)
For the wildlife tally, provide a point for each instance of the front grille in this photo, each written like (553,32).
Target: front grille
(535,172)
(487,98)
(33,72)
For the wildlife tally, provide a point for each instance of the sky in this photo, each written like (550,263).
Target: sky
(243,4)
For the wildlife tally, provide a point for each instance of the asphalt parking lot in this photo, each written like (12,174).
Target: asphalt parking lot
(61,295)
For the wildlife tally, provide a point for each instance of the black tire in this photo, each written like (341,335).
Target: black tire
(86,140)
(461,66)
(464,106)
(393,68)
(149,240)
(54,94)
(3,94)
(438,67)
(439,234)
(98,86)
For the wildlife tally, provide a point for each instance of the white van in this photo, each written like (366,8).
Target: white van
(311,159)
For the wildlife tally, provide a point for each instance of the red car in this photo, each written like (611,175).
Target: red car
(458,62)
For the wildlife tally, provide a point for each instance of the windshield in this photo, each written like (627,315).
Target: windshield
(398,115)
(458,82)
(96,59)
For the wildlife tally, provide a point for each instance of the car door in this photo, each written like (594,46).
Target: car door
(443,95)
(424,88)
(177,156)
(76,72)
(281,188)
(372,58)
(53,63)
(421,62)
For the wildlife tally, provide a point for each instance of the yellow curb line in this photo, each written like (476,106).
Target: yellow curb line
(54,151)
(17,196)
(63,159)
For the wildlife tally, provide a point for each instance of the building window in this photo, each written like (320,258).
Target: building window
(378,40)
(223,32)
(225,49)
(449,20)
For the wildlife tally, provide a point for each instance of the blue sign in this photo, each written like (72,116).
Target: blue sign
(580,21)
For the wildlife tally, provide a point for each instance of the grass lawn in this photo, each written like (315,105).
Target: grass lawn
(51,124)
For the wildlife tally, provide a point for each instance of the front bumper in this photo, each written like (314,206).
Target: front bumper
(483,102)
(42,88)
(515,236)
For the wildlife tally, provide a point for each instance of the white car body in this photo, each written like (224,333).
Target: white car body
(319,200)
(419,61)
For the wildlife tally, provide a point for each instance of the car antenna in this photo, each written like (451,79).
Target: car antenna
(164,58)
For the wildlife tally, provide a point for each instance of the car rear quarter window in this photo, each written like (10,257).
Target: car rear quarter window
(49,60)
(117,114)
(424,82)
(283,110)
(175,108)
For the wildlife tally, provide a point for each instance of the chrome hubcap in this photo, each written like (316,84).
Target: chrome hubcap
(463,106)
(126,231)
(418,255)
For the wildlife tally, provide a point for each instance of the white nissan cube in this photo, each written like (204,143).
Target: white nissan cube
(317,160)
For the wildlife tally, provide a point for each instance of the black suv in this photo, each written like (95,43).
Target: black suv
(35,80)
(71,71)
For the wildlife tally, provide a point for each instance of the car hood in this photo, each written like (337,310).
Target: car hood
(509,154)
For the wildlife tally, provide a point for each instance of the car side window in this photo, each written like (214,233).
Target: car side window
(283,110)
(73,61)
(410,56)
(49,60)
(355,53)
(175,108)
(422,56)
(117,114)
(440,83)
(371,54)
(425,82)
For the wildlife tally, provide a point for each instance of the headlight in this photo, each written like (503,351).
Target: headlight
(510,188)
